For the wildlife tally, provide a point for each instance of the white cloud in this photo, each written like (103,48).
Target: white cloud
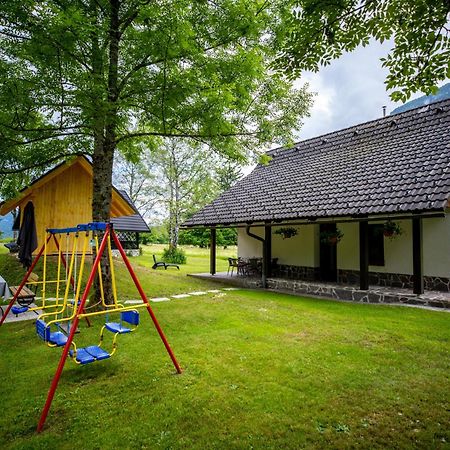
(350,91)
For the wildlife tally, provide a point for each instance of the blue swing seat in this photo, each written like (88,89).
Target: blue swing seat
(19,309)
(90,354)
(116,327)
(56,338)
(131,317)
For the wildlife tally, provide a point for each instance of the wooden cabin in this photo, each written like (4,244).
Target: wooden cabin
(62,198)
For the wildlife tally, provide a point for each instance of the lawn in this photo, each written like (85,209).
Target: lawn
(261,370)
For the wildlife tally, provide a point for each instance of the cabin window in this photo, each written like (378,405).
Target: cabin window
(376,245)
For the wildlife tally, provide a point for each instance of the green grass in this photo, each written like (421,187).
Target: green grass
(156,283)
(261,370)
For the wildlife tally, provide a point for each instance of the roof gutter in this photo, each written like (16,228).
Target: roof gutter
(276,223)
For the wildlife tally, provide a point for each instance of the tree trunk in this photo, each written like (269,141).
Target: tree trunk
(104,146)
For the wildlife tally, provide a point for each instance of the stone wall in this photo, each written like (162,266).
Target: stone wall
(348,293)
(395,280)
(297,272)
(351,277)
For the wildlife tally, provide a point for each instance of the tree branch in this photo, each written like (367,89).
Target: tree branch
(40,164)
(183,135)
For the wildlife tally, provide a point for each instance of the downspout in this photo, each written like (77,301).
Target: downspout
(264,271)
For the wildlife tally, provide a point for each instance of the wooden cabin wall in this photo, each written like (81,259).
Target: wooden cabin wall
(64,201)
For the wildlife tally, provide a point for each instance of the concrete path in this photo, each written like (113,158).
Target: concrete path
(34,315)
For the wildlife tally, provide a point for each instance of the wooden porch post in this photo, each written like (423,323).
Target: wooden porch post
(417,255)
(267,252)
(212,252)
(364,255)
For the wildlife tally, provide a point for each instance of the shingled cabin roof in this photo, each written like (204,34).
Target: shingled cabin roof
(135,222)
(396,164)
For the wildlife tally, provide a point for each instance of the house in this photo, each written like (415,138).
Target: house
(394,171)
(62,197)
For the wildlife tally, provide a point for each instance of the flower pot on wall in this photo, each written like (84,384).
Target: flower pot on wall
(391,229)
(287,232)
(331,237)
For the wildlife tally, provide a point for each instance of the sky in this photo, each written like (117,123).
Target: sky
(349,91)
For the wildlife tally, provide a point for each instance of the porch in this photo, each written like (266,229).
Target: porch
(374,294)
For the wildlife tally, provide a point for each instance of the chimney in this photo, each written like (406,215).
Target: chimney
(384,111)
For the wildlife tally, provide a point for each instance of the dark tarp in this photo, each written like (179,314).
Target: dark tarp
(27,239)
(16,224)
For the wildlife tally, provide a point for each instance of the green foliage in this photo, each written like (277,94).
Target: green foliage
(174,255)
(287,232)
(316,32)
(157,236)
(391,229)
(331,237)
(200,237)
(69,83)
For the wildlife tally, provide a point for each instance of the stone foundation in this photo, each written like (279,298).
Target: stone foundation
(297,272)
(351,277)
(348,293)
(394,280)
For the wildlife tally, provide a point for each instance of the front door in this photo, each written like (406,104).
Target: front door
(328,255)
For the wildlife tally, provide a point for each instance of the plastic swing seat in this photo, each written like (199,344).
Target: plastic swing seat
(131,317)
(56,338)
(89,354)
(19,309)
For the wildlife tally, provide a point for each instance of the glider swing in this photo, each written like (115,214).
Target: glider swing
(24,297)
(128,316)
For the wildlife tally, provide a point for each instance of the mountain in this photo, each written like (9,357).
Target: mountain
(6,223)
(442,94)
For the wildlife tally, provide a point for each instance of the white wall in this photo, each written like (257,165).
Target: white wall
(303,249)
(249,247)
(436,247)
(299,250)
(398,251)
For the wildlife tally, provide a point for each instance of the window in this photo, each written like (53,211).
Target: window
(376,245)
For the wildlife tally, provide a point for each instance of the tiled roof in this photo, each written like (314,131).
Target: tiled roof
(129,223)
(397,164)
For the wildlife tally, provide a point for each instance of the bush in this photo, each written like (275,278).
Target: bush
(174,255)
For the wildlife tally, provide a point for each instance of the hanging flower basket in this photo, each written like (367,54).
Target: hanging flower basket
(331,237)
(391,229)
(287,232)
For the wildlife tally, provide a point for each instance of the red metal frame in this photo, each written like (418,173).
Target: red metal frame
(24,281)
(145,300)
(65,352)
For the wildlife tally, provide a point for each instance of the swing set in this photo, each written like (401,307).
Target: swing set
(59,321)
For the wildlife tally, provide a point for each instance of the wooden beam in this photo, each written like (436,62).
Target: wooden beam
(267,250)
(417,255)
(364,255)
(212,252)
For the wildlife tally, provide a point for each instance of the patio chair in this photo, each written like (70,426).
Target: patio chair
(232,264)
(242,268)
(163,264)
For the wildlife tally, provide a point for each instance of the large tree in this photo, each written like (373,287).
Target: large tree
(92,75)
(318,31)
